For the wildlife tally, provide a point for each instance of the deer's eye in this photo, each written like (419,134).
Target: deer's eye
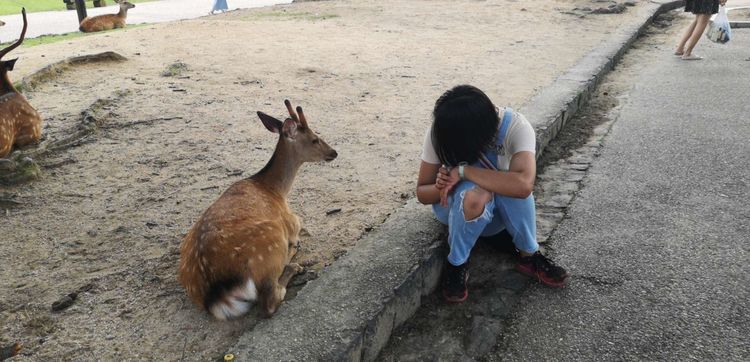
(316,141)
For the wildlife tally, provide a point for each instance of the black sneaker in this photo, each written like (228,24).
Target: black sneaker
(545,270)
(454,283)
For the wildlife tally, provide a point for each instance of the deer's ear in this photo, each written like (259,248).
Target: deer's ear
(272,124)
(290,128)
(10,64)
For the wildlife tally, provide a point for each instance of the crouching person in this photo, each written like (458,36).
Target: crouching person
(478,170)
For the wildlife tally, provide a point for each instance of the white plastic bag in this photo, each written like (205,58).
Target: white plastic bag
(718,30)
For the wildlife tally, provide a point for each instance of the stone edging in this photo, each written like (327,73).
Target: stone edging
(350,312)
(738,24)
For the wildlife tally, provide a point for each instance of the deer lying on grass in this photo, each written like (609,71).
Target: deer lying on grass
(240,249)
(20,123)
(107,21)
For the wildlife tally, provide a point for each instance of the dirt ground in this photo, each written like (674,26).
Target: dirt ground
(108,214)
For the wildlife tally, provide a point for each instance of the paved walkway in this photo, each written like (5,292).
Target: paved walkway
(61,22)
(657,240)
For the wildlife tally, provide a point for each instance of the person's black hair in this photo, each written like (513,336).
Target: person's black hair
(464,124)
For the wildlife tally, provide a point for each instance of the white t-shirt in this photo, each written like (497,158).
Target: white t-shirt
(519,137)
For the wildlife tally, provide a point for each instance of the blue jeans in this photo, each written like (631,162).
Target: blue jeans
(518,216)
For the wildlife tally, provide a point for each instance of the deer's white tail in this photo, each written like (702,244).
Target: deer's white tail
(233,303)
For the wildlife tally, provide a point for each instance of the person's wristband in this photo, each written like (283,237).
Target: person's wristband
(461,169)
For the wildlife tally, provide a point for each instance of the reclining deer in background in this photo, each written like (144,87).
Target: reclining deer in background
(107,21)
(20,123)
(240,249)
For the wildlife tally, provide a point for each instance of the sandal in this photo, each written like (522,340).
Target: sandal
(691,57)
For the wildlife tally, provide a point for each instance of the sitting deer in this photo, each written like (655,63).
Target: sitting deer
(20,123)
(240,250)
(107,21)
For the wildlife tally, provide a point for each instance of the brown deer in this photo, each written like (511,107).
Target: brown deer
(240,250)
(20,123)
(107,21)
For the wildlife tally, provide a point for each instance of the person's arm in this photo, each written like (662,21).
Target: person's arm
(517,182)
(428,192)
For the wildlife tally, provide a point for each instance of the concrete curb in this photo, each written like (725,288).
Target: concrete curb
(350,312)
(738,24)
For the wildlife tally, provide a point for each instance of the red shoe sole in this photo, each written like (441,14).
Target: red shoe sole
(554,283)
(548,282)
(456,300)
(525,271)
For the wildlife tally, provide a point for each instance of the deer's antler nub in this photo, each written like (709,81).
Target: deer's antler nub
(302,119)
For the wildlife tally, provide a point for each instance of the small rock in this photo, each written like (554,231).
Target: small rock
(92,233)
(85,288)
(309,262)
(7,165)
(333,211)
(303,279)
(338,253)
(64,302)
(151,224)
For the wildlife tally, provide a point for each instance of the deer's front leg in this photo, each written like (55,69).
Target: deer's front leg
(277,292)
(290,270)
(294,240)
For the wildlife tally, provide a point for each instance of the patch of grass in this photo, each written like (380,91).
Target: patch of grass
(175,69)
(50,39)
(289,15)
(33,6)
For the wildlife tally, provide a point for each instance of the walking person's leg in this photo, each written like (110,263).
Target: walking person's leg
(701,20)
(688,32)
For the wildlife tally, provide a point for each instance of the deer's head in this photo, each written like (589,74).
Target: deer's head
(305,144)
(124,5)
(7,65)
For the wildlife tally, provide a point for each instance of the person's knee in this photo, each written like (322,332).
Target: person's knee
(474,203)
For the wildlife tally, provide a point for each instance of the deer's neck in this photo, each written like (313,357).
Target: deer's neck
(6,86)
(281,169)
(123,13)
